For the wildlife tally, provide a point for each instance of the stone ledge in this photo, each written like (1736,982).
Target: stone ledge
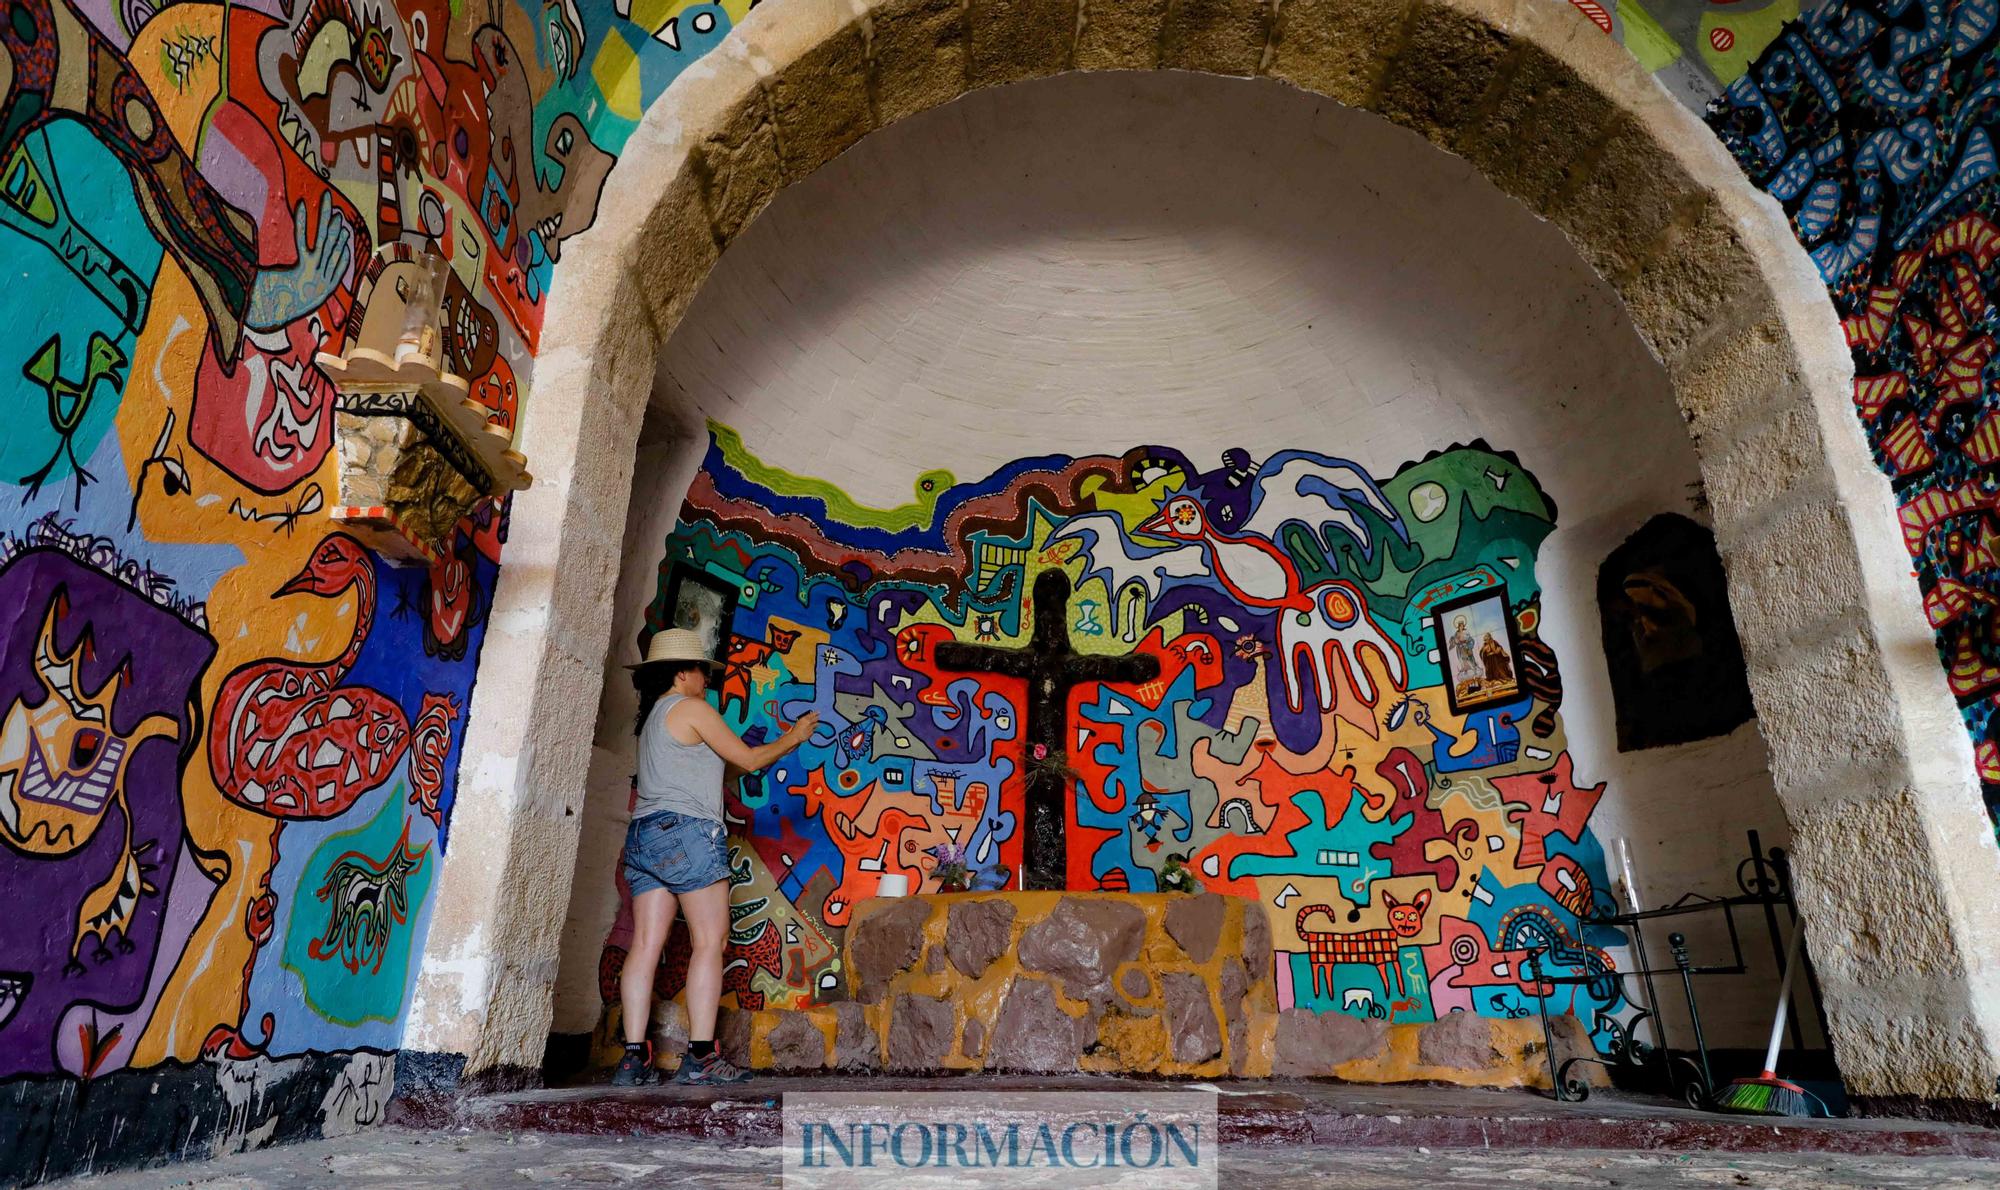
(1063,983)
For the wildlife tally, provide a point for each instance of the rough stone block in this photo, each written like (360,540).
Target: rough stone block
(732,1035)
(1216,36)
(1543,122)
(1437,83)
(821,103)
(976,933)
(1755,469)
(1232,983)
(1018,39)
(1738,375)
(796,1043)
(1082,942)
(1193,1031)
(1796,569)
(1313,1043)
(1032,1032)
(973,1041)
(883,943)
(1256,941)
(675,251)
(921,1033)
(1699,272)
(740,168)
(1628,201)
(1458,1041)
(1337,48)
(1195,923)
(1116,35)
(918,54)
(855,1046)
(1134,984)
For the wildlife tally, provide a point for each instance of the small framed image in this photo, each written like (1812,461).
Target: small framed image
(700,601)
(1477,650)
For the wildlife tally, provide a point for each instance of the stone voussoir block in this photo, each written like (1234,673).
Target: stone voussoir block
(1796,565)
(1120,34)
(1701,270)
(916,56)
(1739,375)
(1337,48)
(1628,201)
(1543,121)
(1008,40)
(739,166)
(1450,59)
(1216,36)
(821,102)
(1752,474)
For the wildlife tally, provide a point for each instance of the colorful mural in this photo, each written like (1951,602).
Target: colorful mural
(229,735)
(1354,718)
(1873,123)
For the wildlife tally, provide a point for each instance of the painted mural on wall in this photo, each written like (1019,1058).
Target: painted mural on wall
(229,735)
(1354,719)
(1874,123)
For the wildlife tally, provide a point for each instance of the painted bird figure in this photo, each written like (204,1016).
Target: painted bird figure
(287,738)
(1322,629)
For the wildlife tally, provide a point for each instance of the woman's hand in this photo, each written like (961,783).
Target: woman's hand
(802,728)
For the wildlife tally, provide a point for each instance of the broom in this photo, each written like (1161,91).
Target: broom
(1767,1094)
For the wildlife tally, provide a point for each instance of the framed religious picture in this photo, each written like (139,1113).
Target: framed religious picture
(1477,651)
(1677,671)
(700,601)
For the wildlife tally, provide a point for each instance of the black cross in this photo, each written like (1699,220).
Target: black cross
(1051,668)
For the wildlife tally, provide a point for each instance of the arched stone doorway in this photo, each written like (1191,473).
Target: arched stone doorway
(1558,119)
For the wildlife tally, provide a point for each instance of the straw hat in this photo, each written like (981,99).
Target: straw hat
(676,644)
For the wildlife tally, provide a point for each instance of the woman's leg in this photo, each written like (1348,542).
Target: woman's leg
(652,918)
(707,913)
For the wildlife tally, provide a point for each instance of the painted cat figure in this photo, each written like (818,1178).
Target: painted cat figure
(1378,947)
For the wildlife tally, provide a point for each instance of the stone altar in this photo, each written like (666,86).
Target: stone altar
(1155,983)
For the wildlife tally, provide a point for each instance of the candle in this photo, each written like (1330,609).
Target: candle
(893,884)
(1629,886)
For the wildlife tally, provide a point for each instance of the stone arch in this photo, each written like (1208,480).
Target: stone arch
(1864,738)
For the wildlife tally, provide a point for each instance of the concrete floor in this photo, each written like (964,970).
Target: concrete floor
(386,1157)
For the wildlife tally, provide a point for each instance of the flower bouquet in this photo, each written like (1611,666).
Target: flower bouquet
(951,871)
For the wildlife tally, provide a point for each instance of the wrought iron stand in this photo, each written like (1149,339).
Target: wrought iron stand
(1765,882)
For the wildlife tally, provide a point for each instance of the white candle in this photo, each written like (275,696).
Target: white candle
(893,884)
(1625,874)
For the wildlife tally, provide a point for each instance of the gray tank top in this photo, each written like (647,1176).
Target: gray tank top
(684,778)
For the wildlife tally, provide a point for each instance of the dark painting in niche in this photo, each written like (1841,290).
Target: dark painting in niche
(1677,671)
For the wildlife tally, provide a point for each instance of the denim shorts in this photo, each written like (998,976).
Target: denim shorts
(677,852)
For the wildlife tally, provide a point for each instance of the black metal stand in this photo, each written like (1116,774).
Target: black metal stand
(1764,881)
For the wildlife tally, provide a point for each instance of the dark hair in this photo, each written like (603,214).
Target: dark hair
(654,679)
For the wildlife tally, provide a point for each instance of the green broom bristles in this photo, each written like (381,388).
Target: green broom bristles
(1765,1095)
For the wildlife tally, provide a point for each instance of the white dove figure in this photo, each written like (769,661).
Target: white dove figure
(1322,629)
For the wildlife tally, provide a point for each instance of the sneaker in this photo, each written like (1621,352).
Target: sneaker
(714,1070)
(636,1069)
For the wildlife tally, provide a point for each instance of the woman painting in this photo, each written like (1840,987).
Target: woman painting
(676,858)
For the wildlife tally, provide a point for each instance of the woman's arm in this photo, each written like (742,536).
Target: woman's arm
(709,725)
